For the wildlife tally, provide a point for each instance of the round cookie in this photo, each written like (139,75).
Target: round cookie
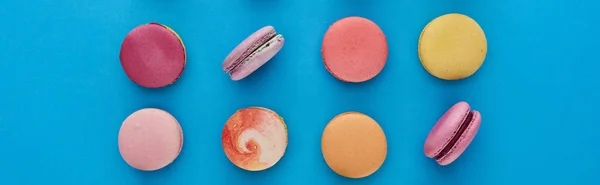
(150,139)
(452,47)
(354,49)
(354,145)
(152,55)
(254,138)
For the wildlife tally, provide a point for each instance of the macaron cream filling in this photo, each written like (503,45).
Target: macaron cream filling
(277,38)
(264,40)
(463,127)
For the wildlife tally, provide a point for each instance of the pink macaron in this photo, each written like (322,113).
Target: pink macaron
(150,139)
(354,49)
(252,53)
(452,134)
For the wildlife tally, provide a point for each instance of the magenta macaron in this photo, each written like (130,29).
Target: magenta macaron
(452,133)
(256,50)
(153,55)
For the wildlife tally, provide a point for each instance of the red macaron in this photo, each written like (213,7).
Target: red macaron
(354,49)
(152,55)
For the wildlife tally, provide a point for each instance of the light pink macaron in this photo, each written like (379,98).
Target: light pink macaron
(150,139)
(452,134)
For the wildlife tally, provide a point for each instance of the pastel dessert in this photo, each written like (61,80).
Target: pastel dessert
(354,49)
(452,47)
(252,53)
(354,145)
(150,139)
(254,138)
(152,55)
(452,134)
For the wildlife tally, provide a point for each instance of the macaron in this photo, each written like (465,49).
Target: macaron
(252,53)
(254,138)
(150,139)
(152,55)
(452,47)
(354,49)
(353,145)
(452,133)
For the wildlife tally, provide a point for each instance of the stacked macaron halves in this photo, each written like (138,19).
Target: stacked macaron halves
(452,133)
(252,53)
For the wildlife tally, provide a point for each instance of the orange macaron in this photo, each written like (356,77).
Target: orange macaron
(354,49)
(354,145)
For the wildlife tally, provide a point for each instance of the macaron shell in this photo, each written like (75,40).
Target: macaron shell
(452,47)
(254,138)
(445,129)
(242,47)
(150,139)
(180,41)
(354,49)
(463,142)
(354,145)
(152,55)
(259,58)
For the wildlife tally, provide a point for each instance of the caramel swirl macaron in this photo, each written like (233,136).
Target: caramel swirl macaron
(354,145)
(254,138)
(452,47)
(150,139)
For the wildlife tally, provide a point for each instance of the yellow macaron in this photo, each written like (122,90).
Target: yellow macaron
(452,47)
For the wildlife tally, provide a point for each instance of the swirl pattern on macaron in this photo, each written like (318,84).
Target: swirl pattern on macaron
(254,138)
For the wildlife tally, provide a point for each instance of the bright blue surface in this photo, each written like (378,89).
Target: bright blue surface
(65,95)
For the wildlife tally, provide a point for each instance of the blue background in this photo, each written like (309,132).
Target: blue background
(64,93)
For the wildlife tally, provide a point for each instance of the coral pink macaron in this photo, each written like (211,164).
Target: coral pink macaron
(452,134)
(152,55)
(354,49)
(150,139)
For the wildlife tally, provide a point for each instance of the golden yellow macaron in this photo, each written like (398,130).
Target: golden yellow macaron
(353,145)
(452,47)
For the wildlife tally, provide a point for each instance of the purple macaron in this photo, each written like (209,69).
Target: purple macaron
(252,53)
(452,134)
